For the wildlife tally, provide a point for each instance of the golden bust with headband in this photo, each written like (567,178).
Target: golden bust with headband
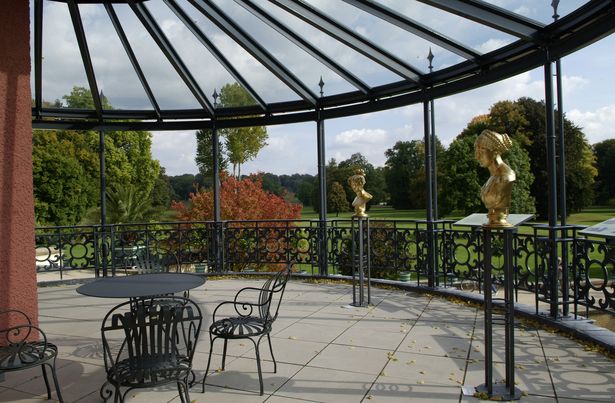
(356,182)
(496,192)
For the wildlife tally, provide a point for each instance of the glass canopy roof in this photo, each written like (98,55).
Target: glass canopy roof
(160,62)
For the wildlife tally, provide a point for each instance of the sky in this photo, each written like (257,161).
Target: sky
(589,88)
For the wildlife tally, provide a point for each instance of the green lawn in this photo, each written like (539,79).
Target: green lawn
(590,216)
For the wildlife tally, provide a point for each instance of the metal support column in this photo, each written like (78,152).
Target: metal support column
(561,170)
(552,183)
(322,192)
(434,169)
(431,265)
(215,146)
(103,206)
(361,269)
(506,391)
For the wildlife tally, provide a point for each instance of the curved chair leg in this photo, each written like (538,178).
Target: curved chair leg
(55,381)
(183,392)
(211,349)
(46,381)
(258,362)
(224,354)
(275,365)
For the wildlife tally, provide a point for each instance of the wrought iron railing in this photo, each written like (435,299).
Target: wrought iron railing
(396,246)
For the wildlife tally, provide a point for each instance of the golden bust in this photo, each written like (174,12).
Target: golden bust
(356,182)
(496,192)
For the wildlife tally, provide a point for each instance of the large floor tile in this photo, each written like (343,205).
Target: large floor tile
(349,358)
(242,374)
(326,385)
(311,332)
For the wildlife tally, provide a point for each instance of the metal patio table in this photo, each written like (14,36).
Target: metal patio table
(141,285)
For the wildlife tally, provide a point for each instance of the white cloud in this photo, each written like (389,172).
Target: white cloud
(571,84)
(598,125)
(363,136)
(492,44)
(523,10)
(176,151)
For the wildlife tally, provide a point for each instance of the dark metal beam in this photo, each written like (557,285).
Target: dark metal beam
(345,35)
(169,51)
(38,55)
(292,36)
(490,15)
(85,55)
(232,29)
(592,22)
(414,27)
(131,55)
(213,49)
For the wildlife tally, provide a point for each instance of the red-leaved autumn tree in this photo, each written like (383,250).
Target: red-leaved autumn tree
(243,199)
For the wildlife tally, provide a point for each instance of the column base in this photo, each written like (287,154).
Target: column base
(499,392)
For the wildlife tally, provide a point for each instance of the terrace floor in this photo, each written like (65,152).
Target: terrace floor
(405,347)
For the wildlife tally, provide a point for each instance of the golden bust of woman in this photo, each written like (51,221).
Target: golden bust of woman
(356,182)
(496,192)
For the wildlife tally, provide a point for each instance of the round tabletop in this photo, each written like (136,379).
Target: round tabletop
(141,285)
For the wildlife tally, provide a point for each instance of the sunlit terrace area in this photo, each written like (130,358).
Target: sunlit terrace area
(348,309)
(406,346)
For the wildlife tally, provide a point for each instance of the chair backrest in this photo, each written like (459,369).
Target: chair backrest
(152,263)
(16,350)
(271,294)
(165,332)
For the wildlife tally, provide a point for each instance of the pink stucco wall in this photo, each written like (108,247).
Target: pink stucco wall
(17,257)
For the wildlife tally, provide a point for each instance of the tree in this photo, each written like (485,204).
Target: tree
(374,177)
(461,180)
(242,199)
(162,193)
(204,156)
(63,193)
(402,167)
(305,192)
(240,144)
(129,204)
(526,119)
(605,163)
(81,98)
(271,183)
(64,177)
(337,201)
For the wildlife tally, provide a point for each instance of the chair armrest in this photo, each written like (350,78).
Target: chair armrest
(18,336)
(241,308)
(248,290)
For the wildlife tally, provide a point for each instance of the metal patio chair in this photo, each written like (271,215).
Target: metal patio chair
(154,263)
(252,313)
(18,351)
(149,346)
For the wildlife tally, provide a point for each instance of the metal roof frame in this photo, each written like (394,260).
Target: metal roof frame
(537,44)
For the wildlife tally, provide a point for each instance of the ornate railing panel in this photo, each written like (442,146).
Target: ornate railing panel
(585,280)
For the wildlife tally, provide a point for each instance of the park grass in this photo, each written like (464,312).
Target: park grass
(587,217)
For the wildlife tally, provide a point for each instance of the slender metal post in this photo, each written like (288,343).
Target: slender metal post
(509,311)
(103,202)
(360,265)
(434,169)
(428,188)
(552,182)
(369,262)
(353,261)
(322,186)
(215,149)
(488,312)
(562,175)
